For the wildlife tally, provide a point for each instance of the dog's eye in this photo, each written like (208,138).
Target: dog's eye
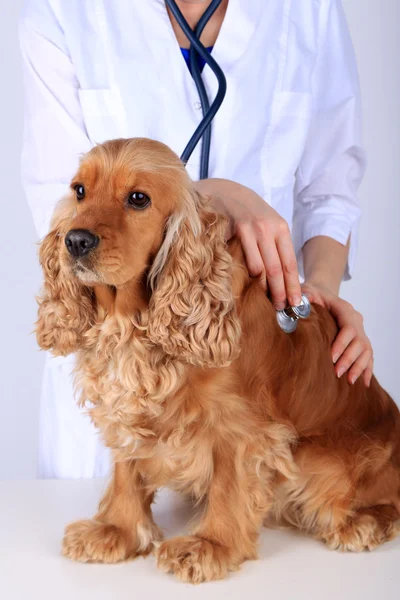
(138,200)
(80,191)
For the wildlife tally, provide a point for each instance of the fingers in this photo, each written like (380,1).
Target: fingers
(357,359)
(367,375)
(345,336)
(274,274)
(351,350)
(349,357)
(270,255)
(252,255)
(290,271)
(359,366)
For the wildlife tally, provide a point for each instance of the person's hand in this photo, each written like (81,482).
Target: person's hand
(351,350)
(265,238)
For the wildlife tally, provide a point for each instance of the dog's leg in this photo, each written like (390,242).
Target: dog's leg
(123,526)
(349,500)
(366,530)
(228,531)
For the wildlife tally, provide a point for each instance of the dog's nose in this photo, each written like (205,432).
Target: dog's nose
(79,242)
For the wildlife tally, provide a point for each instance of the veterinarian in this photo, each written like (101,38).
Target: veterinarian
(286,153)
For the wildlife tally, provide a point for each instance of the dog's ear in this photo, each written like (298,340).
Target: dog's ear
(192,310)
(65,305)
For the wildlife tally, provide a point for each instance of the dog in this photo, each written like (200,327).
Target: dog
(194,386)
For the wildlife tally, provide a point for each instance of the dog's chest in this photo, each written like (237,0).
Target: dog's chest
(171,452)
(163,428)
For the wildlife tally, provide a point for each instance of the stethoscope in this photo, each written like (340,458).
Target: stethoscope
(287,318)
(203,130)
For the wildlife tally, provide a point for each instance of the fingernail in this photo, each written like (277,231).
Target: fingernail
(340,372)
(280,306)
(296,300)
(335,358)
(353,379)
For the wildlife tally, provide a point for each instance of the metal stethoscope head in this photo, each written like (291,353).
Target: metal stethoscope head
(288,317)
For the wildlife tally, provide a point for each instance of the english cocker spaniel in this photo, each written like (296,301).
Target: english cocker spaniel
(194,386)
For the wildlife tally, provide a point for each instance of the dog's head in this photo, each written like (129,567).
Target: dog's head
(134,234)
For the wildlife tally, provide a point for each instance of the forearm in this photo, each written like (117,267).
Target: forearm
(219,190)
(236,201)
(217,186)
(325,260)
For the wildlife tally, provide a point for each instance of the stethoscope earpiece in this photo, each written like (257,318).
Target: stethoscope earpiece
(288,317)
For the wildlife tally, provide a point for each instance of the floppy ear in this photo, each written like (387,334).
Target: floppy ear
(192,310)
(65,305)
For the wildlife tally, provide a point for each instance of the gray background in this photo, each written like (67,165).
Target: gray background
(375,289)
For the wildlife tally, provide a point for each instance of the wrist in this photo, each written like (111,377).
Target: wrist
(324,263)
(322,282)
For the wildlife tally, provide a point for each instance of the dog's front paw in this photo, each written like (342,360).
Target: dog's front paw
(92,541)
(193,559)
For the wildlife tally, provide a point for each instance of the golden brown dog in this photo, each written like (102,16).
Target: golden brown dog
(194,386)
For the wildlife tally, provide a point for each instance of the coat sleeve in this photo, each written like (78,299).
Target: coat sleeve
(333,163)
(54,130)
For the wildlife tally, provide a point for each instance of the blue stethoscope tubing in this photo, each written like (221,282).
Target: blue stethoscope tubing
(203,130)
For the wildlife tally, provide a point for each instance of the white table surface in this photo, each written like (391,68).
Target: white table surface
(291,566)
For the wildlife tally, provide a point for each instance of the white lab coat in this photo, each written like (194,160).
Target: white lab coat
(289,128)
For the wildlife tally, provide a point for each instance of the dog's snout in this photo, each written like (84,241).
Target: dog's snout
(79,242)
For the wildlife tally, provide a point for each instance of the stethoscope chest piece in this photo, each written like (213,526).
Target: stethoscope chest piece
(288,317)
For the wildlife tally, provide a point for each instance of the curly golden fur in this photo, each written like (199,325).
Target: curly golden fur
(66,306)
(193,385)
